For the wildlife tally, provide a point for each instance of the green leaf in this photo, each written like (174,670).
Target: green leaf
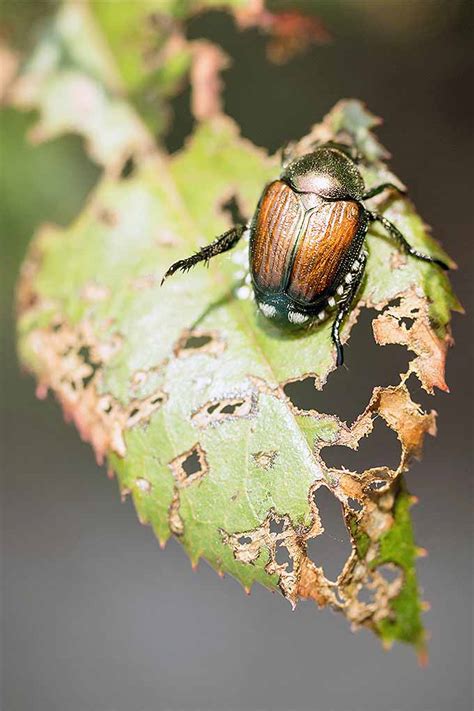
(181,387)
(397,548)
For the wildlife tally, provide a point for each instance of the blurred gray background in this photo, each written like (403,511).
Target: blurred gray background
(95,616)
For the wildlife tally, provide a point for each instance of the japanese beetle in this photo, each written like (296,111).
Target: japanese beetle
(306,250)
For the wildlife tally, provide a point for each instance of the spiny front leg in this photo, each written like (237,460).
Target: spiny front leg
(351,285)
(221,244)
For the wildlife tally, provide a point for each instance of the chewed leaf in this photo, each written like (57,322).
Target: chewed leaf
(181,388)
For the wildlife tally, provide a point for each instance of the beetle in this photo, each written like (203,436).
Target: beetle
(306,248)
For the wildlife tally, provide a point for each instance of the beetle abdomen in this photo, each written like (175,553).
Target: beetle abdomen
(324,243)
(275,232)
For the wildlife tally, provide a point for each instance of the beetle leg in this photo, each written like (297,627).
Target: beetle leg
(406,246)
(380,188)
(344,307)
(221,244)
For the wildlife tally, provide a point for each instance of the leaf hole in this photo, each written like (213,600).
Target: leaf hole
(366,595)
(157,400)
(300,392)
(390,572)
(213,413)
(196,342)
(128,168)
(277,528)
(230,408)
(380,448)
(418,394)
(394,303)
(141,410)
(331,549)
(349,388)
(355,504)
(192,464)
(283,557)
(377,485)
(193,342)
(85,354)
(190,467)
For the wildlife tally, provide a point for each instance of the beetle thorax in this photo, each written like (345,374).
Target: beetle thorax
(327,172)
